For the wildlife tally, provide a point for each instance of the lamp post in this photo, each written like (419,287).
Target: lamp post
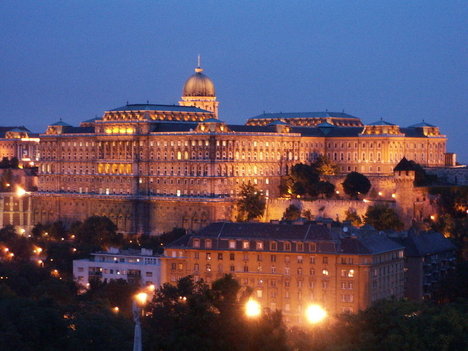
(139,300)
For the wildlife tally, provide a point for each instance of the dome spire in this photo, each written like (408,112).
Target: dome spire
(199,69)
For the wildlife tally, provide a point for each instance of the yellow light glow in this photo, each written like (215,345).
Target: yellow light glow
(141,298)
(151,287)
(380,193)
(315,314)
(393,195)
(252,308)
(432,217)
(20,191)
(116,309)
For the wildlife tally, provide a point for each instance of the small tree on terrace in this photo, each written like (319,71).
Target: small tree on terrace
(325,166)
(251,203)
(356,183)
(382,217)
(292,213)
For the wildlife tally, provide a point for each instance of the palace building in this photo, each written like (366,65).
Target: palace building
(154,167)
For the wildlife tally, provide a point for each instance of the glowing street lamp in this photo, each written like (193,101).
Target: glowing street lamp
(253,308)
(139,301)
(315,314)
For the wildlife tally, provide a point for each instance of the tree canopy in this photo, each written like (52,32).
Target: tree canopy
(382,217)
(356,183)
(251,203)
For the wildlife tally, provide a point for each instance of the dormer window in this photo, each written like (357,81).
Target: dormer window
(246,245)
(273,246)
(208,243)
(300,247)
(259,245)
(196,243)
(232,244)
(287,246)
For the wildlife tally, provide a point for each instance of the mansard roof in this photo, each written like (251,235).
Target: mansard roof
(4,130)
(425,243)
(421,124)
(327,241)
(280,115)
(153,107)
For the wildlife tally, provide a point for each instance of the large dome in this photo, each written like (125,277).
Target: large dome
(199,85)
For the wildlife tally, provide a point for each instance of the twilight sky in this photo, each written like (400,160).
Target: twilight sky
(404,61)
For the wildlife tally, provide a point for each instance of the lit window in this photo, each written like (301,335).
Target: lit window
(196,242)
(208,243)
(325,272)
(351,273)
(245,245)
(259,245)
(232,244)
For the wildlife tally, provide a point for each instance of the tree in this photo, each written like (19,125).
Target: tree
(382,217)
(251,203)
(353,217)
(304,179)
(98,231)
(324,166)
(292,213)
(324,188)
(356,183)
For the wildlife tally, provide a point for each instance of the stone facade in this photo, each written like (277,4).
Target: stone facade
(150,167)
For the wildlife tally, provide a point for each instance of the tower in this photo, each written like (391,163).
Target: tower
(199,91)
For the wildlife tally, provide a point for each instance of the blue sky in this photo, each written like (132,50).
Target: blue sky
(402,61)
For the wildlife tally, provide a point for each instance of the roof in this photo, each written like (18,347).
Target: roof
(420,125)
(406,165)
(152,107)
(275,123)
(212,120)
(326,240)
(61,123)
(425,243)
(77,130)
(305,115)
(380,122)
(3,130)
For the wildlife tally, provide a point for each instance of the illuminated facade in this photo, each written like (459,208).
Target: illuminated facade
(290,267)
(19,142)
(154,167)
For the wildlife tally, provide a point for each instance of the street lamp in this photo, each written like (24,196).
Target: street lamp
(315,314)
(253,308)
(139,301)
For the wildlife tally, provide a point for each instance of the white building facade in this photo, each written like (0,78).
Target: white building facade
(135,266)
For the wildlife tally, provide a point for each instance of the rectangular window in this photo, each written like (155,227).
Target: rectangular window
(208,256)
(208,243)
(232,268)
(325,260)
(299,259)
(273,258)
(232,256)
(220,256)
(196,267)
(273,246)
(232,244)
(245,245)
(312,259)
(300,247)
(196,243)
(208,267)
(287,246)
(259,245)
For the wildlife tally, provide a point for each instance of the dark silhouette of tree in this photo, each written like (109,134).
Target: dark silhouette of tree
(292,213)
(98,231)
(382,217)
(353,217)
(251,203)
(356,183)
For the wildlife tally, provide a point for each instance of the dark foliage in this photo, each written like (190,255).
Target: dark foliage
(356,183)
